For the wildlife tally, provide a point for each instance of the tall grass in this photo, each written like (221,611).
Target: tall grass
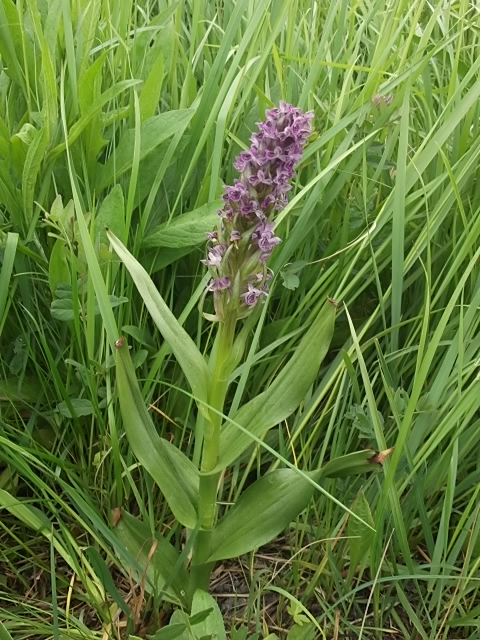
(128,115)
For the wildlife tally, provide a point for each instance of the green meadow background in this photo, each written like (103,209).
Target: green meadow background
(129,115)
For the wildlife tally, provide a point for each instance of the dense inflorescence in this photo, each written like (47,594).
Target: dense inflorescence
(245,235)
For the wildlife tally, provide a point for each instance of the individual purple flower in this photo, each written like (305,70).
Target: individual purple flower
(252,294)
(215,254)
(265,237)
(219,284)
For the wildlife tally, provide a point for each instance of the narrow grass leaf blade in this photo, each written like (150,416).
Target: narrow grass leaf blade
(186,352)
(7,270)
(100,567)
(169,467)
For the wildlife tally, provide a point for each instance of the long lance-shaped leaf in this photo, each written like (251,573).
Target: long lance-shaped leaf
(184,349)
(263,511)
(280,496)
(174,473)
(286,392)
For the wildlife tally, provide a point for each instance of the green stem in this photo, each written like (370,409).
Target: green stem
(211,445)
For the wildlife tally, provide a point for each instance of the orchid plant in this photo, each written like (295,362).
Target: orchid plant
(237,258)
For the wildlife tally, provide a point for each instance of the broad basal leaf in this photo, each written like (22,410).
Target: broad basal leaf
(286,392)
(184,349)
(156,559)
(263,511)
(169,467)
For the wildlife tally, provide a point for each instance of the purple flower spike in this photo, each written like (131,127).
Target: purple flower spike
(249,206)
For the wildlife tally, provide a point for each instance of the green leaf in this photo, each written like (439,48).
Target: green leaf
(360,537)
(4,635)
(187,230)
(11,44)
(155,260)
(153,132)
(58,269)
(38,521)
(290,280)
(290,274)
(8,260)
(100,567)
(279,497)
(351,464)
(184,349)
(200,616)
(152,88)
(31,169)
(286,392)
(170,632)
(211,626)
(205,617)
(62,308)
(80,406)
(156,559)
(169,467)
(111,215)
(48,75)
(79,126)
(302,632)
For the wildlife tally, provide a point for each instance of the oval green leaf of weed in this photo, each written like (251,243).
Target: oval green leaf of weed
(184,349)
(210,625)
(111,214)
(176,476)
(153,132)
(205,621)
(284,395)
(263,511)
(187,230)
(156,558)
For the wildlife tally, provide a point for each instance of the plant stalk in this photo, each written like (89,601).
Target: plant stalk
(211,445)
